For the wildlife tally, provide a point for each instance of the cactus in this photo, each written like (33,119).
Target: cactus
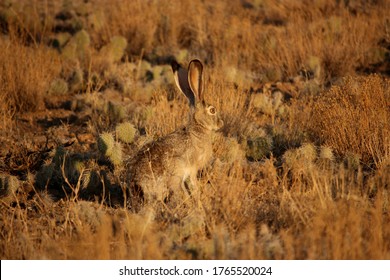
(67,5)
(290,158)
(58,87)
(78,166)
(69,51)
(307,153)
(325,157)
(77,46)
(86,179)
(106,144)
(263,103)
(231,74)
(63,173)
(144,71)
(326,153)
(146,114)
(77,24)
(91,183)
(83,41)
(115,50)
(304,156)
(161,74)
(258,148)
(76,80)
(110,149)
(115,112)
(116,156)
(352,160)
(235,75)
(50,173)
(77,104)
(125,132)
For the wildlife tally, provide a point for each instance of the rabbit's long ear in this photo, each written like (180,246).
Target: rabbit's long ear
(195,78)
(181,79)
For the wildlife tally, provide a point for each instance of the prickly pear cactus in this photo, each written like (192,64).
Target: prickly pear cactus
(125,132)
(77,46)
(115,50)
(106,144)
(116,156)
(115,112)
(258,147)
(109,148)
(58,87)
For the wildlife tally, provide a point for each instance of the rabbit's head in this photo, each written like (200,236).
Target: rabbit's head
(191,84)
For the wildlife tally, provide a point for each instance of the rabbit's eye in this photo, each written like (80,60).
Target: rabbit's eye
(212,110)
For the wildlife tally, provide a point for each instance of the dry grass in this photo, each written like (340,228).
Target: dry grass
(26,73)
(249,40)
(302,165)
(354,118)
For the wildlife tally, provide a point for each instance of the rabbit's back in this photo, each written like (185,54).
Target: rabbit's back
(160,166)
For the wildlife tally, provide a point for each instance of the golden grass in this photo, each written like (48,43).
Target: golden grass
(26,74)
(243,218)
(301,167)
(354,117)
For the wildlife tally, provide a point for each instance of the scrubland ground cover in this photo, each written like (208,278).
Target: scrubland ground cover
(302,164)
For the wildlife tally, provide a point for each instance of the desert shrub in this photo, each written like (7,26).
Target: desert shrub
(354,117)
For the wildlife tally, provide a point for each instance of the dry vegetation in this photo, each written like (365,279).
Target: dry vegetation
(302,165)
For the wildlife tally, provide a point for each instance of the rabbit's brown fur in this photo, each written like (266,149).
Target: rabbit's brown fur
(161,167)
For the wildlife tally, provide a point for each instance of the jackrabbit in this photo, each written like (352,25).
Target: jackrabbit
(161,167)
